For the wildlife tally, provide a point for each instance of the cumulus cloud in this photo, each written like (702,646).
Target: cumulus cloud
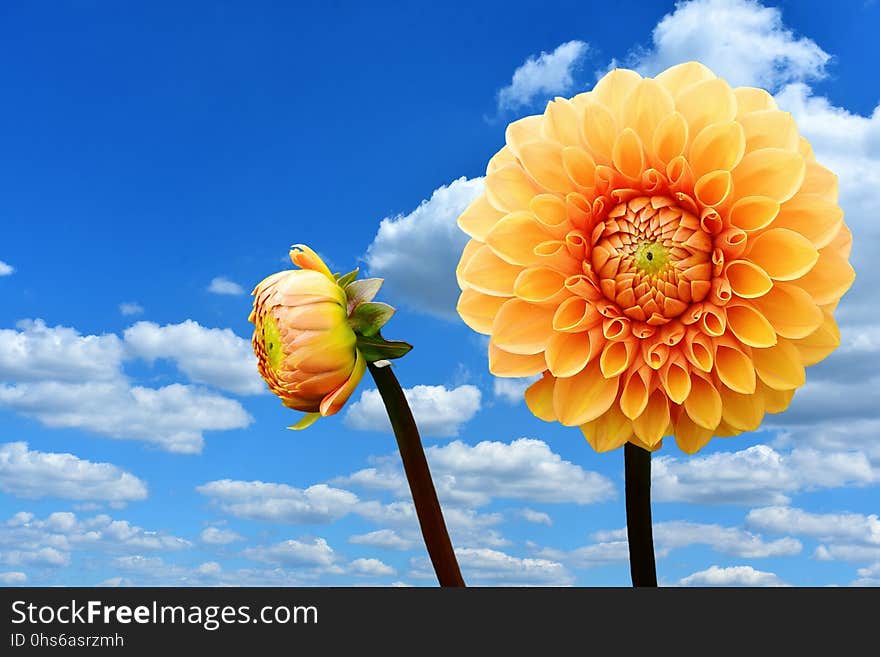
(537,517)
(756,475)
(741,40)
(65,379)
(219,536)
(489,567)
(32,474)
(294,553)
(383,538)
(732,576)
(128,308)
(512,391)
(13,577)
(417,252)
(6,269)
(214,356)
(543,76)
(439,411)
(370,568)
(222,285)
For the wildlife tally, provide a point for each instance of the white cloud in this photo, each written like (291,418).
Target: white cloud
(543,76)
(370,568)
(214,356)
(822,526)
(33,474)
(173,417)
(6,269)
(732,576)
(537,517)
(383,538)
(13,578)
(512,391)
(591,556)
(219,536)
(487,567)
(439,411)
(756,475)
(740,40)
(222,285)
(293,553)
(271,502)
(128,308)
(417,253)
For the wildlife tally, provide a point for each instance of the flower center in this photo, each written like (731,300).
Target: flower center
(652,259)
(272,342)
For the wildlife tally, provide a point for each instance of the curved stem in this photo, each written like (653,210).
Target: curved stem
(419,477)
(637,469)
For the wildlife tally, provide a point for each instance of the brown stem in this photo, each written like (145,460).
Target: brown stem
(637,472)
(419,477)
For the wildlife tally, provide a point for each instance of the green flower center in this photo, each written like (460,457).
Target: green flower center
(272,342)
(651,257)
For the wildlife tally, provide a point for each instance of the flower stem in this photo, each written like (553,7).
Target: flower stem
(419,476)
(637,469)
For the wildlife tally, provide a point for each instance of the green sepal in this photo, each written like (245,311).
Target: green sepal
(345,279)
(362,291)
(375,347)
(368,318)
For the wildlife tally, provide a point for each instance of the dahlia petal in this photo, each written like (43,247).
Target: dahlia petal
(561,121)
(747,280)
(724,430)
(599,130)
(812,216)
(336,400)
(579,166)
(306,421)
(504,363)
(703,404)
(502,158)
(743,412)
(332,350)
(479,218)
(583,397)
(478,310)
(313,317)
(783,254)
(628,155)
(775,401)
(820,343)
(751,213)
(752,99)
(791,310)
(770,129)
(539,398)
(749,325)
(805,149)
(568,353)
(514,237)
(678,77)
(712,189)
(509,189)
(670,138)
(634,396)
(467,253)
(522,328)
(651,425)
(819,180)
(689,436)
(772,172)
(706,102)
(645,107)
(829,279)
(614,87)
(523,131)
(735,369)
(576,314)
(676,379)
(542,160)
(552,213)
(487,273)
(718,146)
(698,350)
(841,244)
(305,258)
(780,366)
(616,358)
(540,285)
(609,431)
(303,286)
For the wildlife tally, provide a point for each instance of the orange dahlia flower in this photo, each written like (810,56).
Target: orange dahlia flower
(666,251)
(314,333)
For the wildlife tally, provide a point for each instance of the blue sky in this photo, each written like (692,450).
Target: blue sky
(157,162)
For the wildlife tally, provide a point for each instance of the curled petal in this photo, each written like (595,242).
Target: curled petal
(780,366)
(773,172)
(690,436)
(749,325)
(718,146)
(542,160)
(670,138)
(569,353)
(504,363)
(790,310)
(522,328)
(651,425)
(734,367)
(747,280)
(583,397)
(336,400)
(751,213)
(706,102)
(539,398)
(783,254)
(703,404)
(741,411)
(609,431)
(513,238)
